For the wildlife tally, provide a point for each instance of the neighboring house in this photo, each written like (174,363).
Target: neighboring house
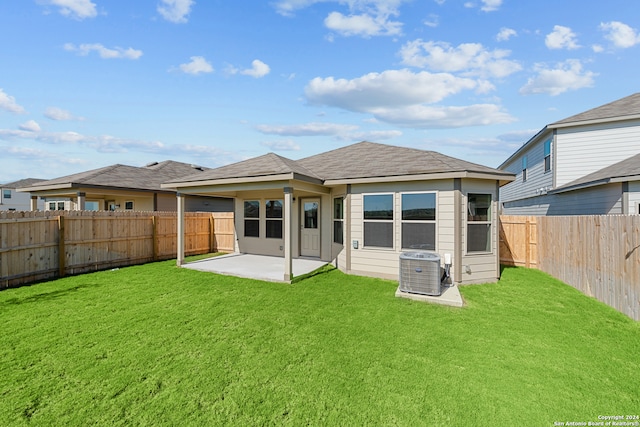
(586,164)
(11,200)
(361,206)
(121,187)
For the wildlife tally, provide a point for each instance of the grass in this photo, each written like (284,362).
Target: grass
(160,345)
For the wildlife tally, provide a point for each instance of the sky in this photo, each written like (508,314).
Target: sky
(91,83)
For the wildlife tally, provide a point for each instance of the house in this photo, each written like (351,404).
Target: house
(122,187)
(11,200)
(586,164)
(361,206)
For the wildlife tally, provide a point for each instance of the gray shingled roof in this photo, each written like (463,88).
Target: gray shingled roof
(361,160)
(149,177)
(370,159)
(21,183)
(628,168)
(265,165)
(627,106)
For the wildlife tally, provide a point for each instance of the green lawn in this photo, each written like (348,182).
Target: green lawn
(160,345)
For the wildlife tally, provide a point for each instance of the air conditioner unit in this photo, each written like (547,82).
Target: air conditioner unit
(420,273)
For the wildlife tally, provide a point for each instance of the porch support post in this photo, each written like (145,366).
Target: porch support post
(81,198)
(34,203)
(288,238)
(180,239)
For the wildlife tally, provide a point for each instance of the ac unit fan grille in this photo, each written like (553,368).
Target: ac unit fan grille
(420,273)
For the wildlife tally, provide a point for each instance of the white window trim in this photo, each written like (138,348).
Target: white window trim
(281,219)
(490,222)
(333,218)
(392,221)
(259,218)
(420,221)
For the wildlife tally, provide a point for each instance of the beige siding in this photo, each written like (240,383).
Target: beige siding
(480,267)
(385,262)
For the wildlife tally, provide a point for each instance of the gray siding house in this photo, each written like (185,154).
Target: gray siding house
(586,164)
(360,206)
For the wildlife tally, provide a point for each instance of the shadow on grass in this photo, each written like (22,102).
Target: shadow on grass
(46,296)
(322,270)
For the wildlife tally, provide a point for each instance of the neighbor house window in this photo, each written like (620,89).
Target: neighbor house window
(251,218)
(547,155)
(419,221)
(6,194)
(91,206)
(378,220)
(338,220)
(524,169)
(56,206)
(479,222)
(274,219)
(60,206)
(128,206)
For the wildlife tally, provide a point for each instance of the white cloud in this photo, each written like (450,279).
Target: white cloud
(374,135)
(30,126)
(258,69)
(364,25)
(366,18)
(399,97)
(597,48)
(175,11)
(491,5)
(198,65)
(8,103)
(470,58)
(77,9)
(55,113)
(105,53)
(621,35)
(437,117)
(561,38)
(307,129)
(433,21)
(392,88)
(566,76)
(286,145)
(505,34)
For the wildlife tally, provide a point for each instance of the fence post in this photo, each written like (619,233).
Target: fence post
(154,225)
(212,235)
(527,242)
(61,255)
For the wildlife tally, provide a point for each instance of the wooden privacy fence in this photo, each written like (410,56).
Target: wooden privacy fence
(598,255)
(42,245)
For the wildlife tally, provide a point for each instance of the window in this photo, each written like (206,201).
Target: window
(524,169)
(378,220)
(60,206)
(338,220)
(547,155)
(419,221)
(52,206)
(479,223)
(251,218)
(6,194)
(274,219)
(56,206)
(128,206)
(91,206)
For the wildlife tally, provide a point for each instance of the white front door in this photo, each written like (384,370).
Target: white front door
(310,228)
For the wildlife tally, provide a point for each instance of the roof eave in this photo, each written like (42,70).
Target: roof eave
(502,178)
(594,121)
(525,146)
(225,181)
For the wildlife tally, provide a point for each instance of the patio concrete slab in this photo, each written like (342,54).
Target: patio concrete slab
(259,267)
(450,296)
